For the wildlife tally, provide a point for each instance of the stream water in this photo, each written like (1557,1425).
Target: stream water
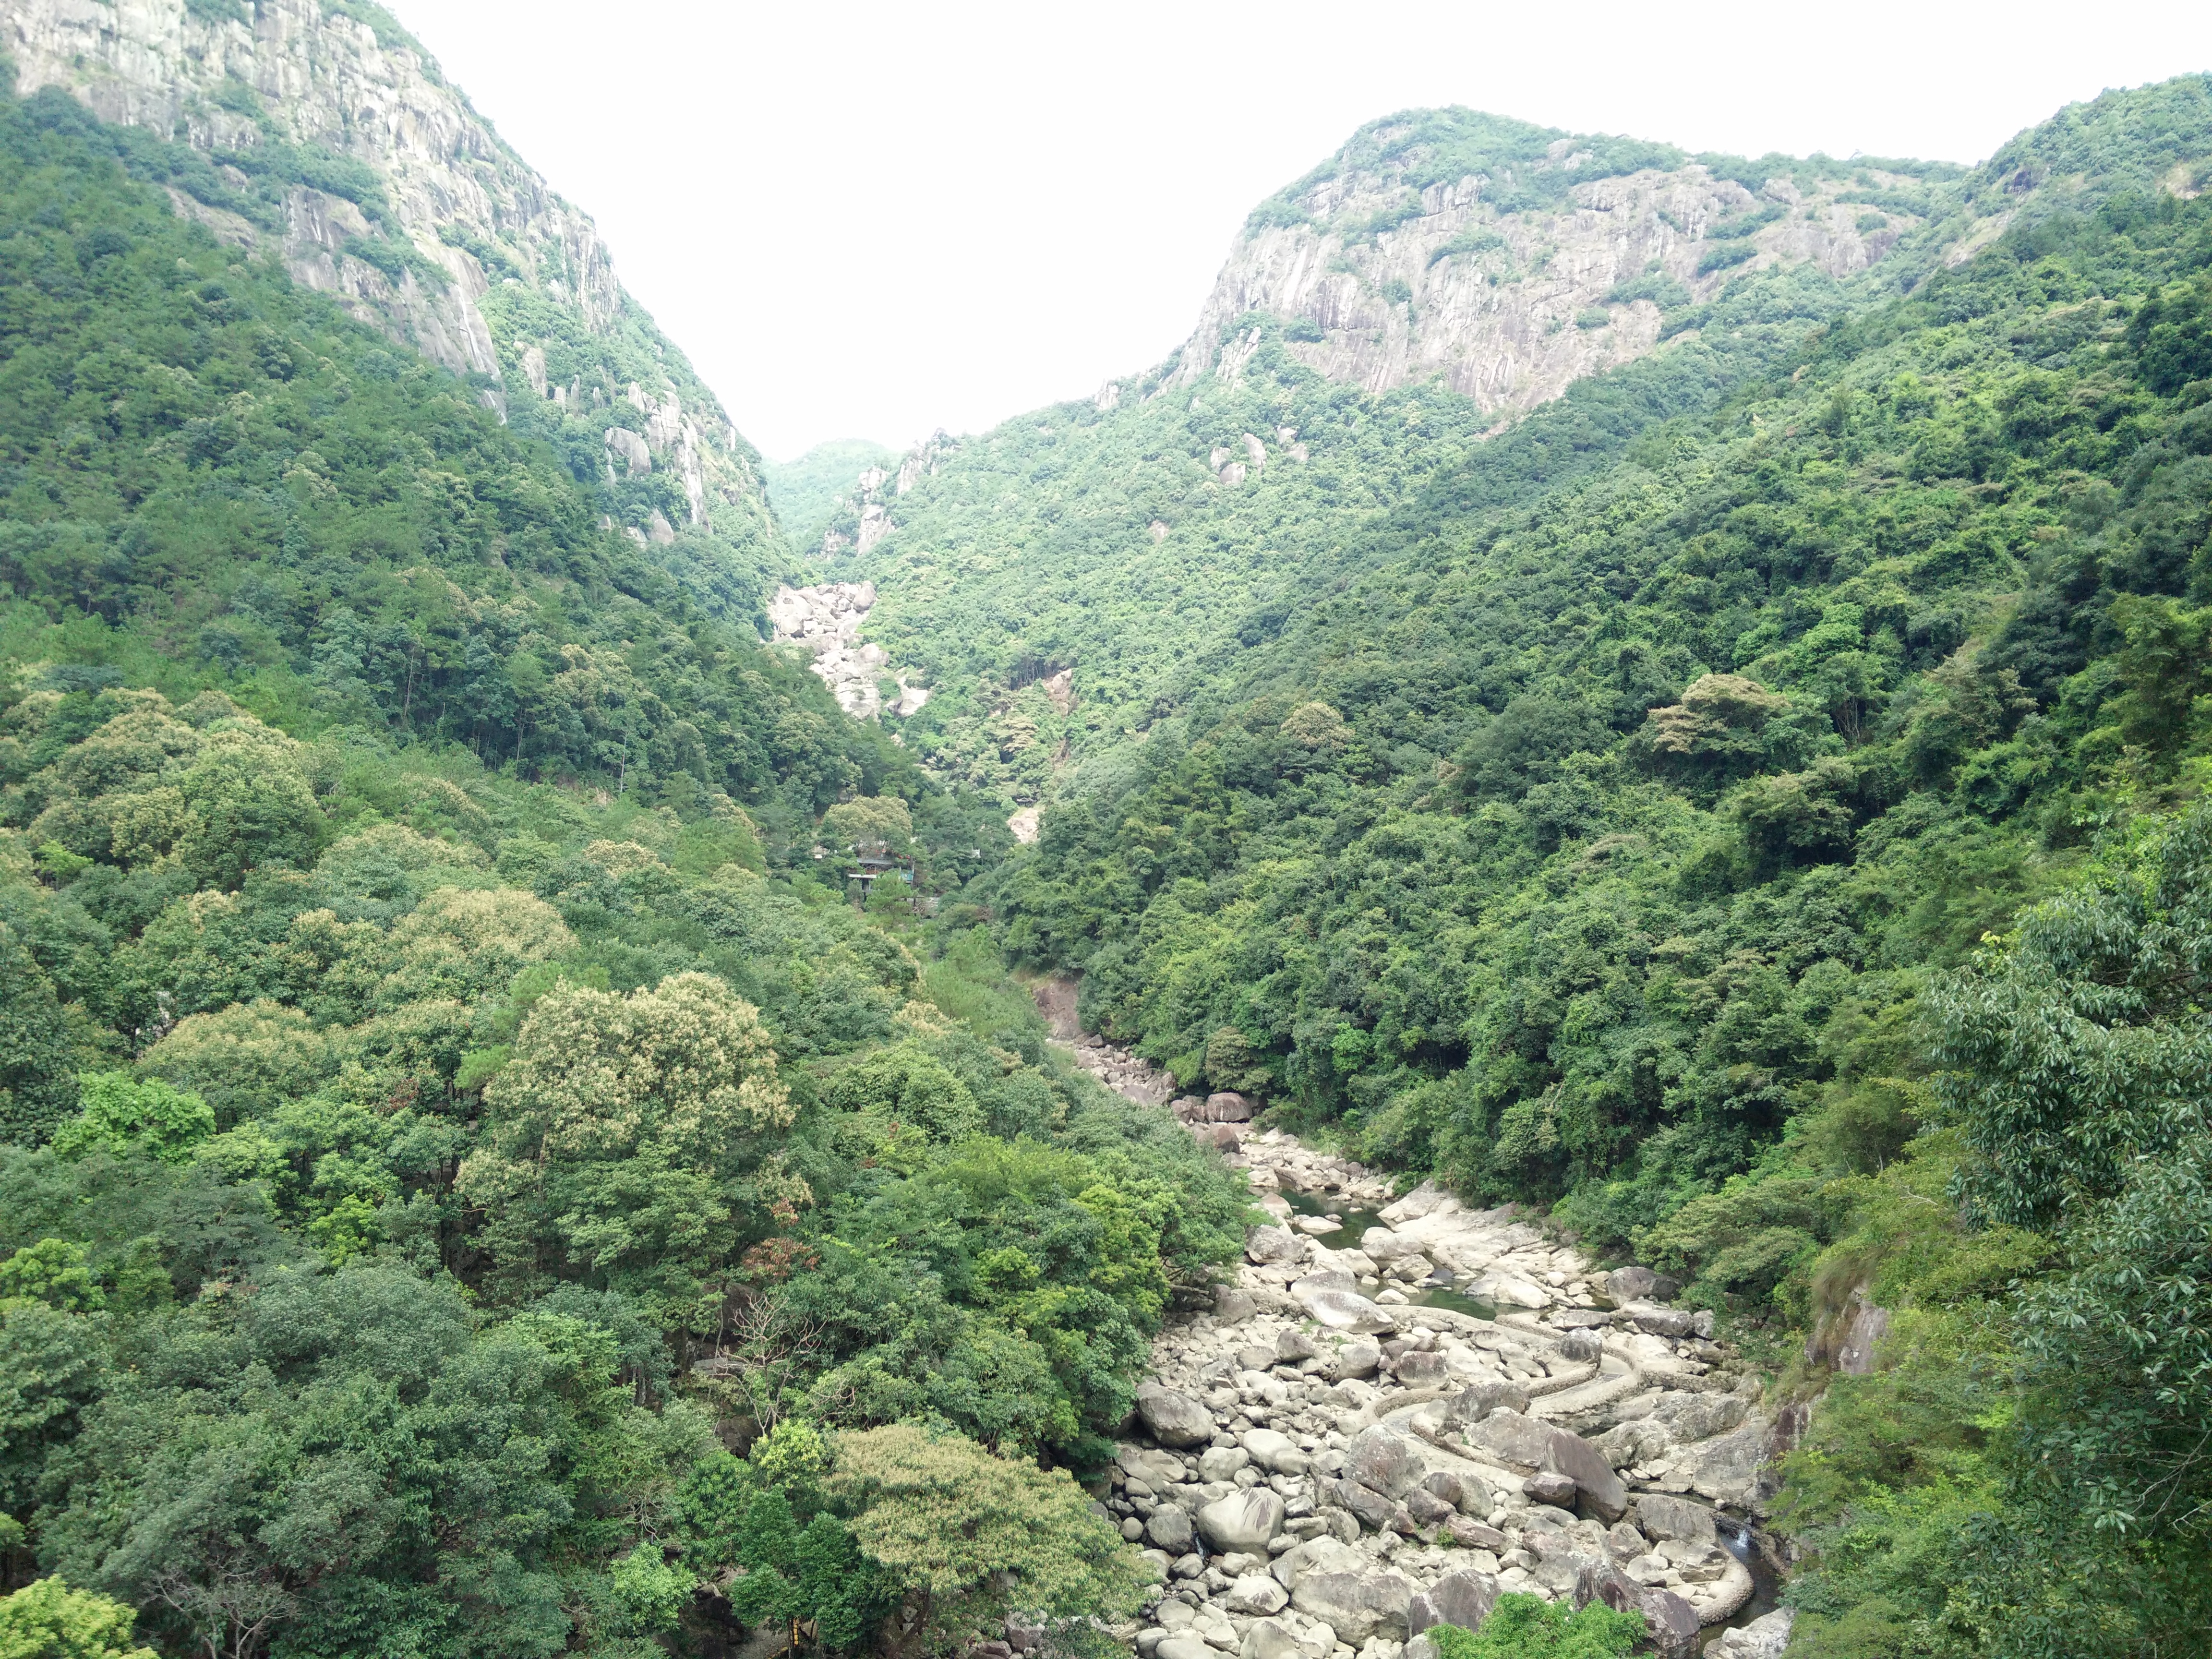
(1352,1226)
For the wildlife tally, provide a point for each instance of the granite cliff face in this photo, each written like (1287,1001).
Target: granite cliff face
(336,139)
(1511,280)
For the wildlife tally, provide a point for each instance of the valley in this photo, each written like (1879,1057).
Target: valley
(1509,961)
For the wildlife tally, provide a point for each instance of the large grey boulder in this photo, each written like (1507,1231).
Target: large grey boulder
(1371,1507)
(1169,1529)
(1319,1554)
(1422,1201)
(1242,1521)
(1463,1598)
(1477,1402)
(1232,1306)
(1185,1646)
(1222,1462)
(1269,1640)
(1669,1323)
(1578,1347)
(1276,1452)
(1518,1442)
(1530,1444)
(1293,1345)
(1255,1595)
(1763,1638)
(1157,1469)
(1355,1359)
(1172,1418)
(1378,1459)
(1228,1107)
(1727,1468)
(1357,1605)
(1342,1310)
(1599,1491)
(1383,1247)
(1701,1416)
(1269,1244)
(1670,1623)
(1662,1516)
(1420,1369)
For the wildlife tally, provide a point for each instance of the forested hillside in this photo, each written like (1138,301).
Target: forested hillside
(472,1184)
(1665,848)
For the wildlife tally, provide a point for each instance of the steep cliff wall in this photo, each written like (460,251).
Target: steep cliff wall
(336,142)
(1509,262)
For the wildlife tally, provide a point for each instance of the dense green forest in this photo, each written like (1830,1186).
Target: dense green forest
(1767,842)
(473,1185)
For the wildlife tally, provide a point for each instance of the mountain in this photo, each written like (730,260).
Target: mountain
(1695,806)
(324,134)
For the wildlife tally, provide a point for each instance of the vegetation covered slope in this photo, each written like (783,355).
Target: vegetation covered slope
(1635,848)
(467,1186)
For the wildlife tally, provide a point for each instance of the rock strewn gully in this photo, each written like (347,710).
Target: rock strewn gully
(1321,1468)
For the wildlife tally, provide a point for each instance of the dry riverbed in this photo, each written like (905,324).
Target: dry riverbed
(1403,1408)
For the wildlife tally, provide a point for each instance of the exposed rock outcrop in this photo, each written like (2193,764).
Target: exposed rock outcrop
(454,244)
(826,620)
(1388,279)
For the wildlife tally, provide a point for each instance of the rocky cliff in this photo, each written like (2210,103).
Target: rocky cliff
(322,132)
(1509,261)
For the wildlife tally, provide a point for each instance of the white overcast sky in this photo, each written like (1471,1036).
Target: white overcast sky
(870,219)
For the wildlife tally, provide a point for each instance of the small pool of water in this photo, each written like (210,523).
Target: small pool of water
(1748,1546)
(1352,1225)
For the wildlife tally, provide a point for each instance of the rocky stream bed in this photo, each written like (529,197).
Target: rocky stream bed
(1403,1408)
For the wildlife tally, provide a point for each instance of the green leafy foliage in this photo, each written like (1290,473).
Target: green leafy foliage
(1526,1627)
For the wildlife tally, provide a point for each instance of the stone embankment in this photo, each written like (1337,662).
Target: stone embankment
(1327,1462)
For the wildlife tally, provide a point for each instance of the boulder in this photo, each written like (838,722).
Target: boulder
(1427,1508)
(1276,1452)
(1508,1290)
(1222,1462)
(1266,1639)
(1568,1319)
(1186,1108)
(1232,1306)
(1322,1555)
(1670,1623)
(1357,1605)
(1420,1370)
(1169,1529)
(1550,1486)
(1155,1469)
(1630,1284)
(1382,1247)
(1264,1245)
(1518,1442)
(1185,1646)
(1473,1535)
(1669,1323)
(1241,1520)
(1578,1347)
(1727,1469)
(1342,1310)
(1222,1137)
(1255,1595)
(1701,1416)
(1763,1638)
(1448,1487)
(1599,1489)
(1371,1508)
(1421,1202)
(1378,1459)
(1659,1515)
(1478,1400)
(1172,1418)
(1463,1598)
(1292,1345)
(1228,1107)
(1355,1359)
